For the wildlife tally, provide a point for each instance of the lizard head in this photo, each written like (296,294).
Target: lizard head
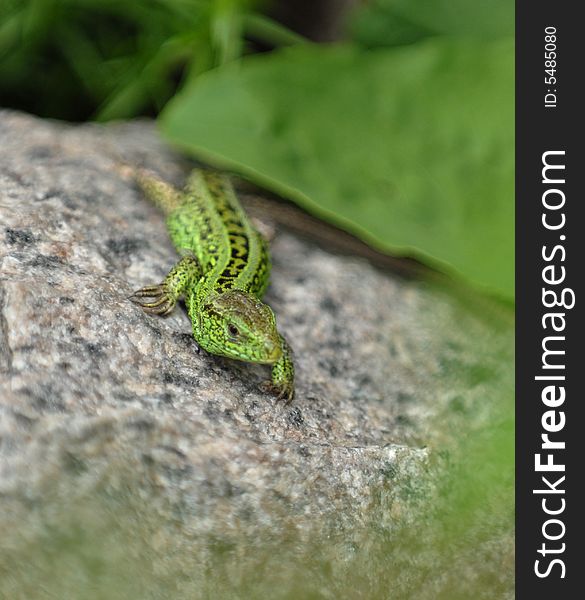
(237,325)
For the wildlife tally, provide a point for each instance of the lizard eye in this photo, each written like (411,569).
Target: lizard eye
(233,330)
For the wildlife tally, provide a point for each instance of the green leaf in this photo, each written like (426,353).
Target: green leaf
(411,148)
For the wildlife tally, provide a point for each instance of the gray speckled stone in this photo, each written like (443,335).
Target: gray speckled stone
(99,400)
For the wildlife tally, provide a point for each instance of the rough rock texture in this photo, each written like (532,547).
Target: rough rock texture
(106,412)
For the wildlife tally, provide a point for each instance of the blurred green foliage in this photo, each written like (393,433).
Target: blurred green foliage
(111,59)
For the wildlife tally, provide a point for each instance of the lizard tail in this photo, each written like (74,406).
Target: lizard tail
(162,194)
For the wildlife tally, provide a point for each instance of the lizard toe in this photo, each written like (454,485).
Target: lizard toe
(161,302)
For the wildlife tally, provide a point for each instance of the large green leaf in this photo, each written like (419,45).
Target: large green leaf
(411,148)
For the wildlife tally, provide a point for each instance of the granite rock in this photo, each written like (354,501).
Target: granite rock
(107,411)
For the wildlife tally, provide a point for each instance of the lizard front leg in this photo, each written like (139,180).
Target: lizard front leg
(283,374)
(182,277)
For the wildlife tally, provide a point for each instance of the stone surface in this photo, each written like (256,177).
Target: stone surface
(103,406)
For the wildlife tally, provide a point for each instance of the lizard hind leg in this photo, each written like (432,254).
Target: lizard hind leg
(161,299)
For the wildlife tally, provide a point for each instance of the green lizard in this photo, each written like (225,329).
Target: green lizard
(222,275)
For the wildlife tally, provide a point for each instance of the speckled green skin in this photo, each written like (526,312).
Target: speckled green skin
(222,276)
